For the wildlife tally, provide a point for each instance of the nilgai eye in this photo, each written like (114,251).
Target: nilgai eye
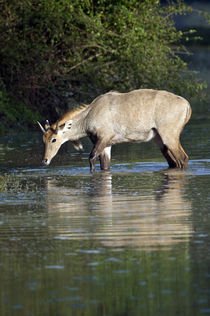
(54,140)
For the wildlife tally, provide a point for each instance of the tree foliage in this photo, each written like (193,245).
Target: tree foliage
(53,49)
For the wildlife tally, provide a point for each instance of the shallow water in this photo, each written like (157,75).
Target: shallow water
(131,241)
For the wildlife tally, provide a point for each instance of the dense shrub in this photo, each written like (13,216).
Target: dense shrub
(55,51)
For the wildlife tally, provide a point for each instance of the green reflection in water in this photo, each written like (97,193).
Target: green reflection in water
(76,278)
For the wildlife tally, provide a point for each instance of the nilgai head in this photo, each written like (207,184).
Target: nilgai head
(53,137)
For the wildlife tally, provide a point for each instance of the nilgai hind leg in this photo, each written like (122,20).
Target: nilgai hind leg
(172,151)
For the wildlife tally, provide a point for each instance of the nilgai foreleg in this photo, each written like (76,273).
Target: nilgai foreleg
(101,148)
(105,158)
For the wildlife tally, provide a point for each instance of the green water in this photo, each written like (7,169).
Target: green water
(131,241)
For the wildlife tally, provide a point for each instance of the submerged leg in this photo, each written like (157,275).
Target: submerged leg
(184,156)
(92,161)
(180,156)
(100,149)
(173,152)
(105,158)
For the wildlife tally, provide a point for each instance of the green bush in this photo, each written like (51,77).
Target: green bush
(15,114)
(51,50)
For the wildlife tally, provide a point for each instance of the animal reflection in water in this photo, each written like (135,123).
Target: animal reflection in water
(145,217)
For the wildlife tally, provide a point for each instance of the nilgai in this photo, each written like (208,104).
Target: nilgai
(113,118)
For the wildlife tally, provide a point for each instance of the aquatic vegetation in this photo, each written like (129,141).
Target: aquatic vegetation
(15,183)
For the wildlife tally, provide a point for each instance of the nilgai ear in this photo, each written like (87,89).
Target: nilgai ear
(47,124)
(67,125)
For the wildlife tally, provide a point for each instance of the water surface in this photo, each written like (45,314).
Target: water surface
(130,241)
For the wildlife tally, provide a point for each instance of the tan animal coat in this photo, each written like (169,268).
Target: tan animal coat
(112,118)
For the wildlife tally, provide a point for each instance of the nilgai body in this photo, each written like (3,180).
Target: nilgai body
(113,118)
